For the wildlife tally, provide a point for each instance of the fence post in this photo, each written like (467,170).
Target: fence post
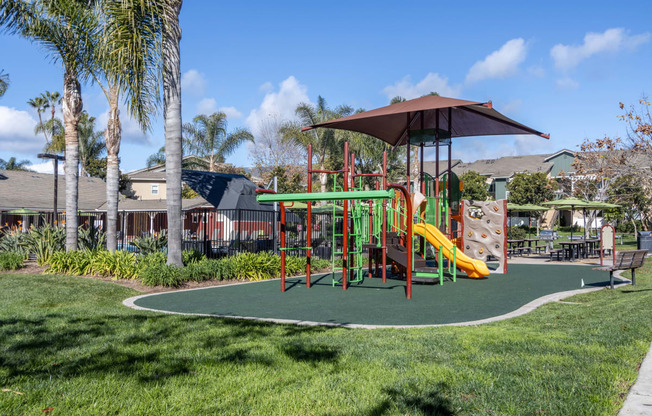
(239,230)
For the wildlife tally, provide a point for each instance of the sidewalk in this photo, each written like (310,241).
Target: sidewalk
(639,399)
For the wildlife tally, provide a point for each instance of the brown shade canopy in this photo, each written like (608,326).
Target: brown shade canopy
(459,117)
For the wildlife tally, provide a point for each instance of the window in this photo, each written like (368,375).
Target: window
(154,189)
(195,218)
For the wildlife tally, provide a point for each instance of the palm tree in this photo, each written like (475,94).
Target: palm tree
(165,15)
(64,29)
(324,141)
(208,138)
(40,104)
(53,99)
(125,65)
(13,164)
(4,82)
(91,143)
(55,127)
(171,37)
(157,158)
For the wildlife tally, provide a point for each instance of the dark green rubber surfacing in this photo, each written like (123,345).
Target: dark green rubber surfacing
(374,303)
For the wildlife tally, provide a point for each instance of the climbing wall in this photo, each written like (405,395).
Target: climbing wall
(483,231)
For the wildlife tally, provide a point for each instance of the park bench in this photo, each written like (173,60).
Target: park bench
(625,260)
(558,251)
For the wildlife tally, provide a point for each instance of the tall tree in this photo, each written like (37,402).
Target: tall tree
(91,143)
(64,28)
(40,104)
(55,127)
(13,164)
(209,139)
(125,65)
(53,99)
(4,82)
(171,37)
(325,142)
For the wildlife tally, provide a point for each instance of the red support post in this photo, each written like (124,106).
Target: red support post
(309,220)
(345,220)
(384,242)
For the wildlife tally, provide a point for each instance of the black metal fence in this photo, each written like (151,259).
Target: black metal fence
(215,233)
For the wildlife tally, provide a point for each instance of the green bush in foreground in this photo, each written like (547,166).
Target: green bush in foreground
(152,270)
(11,261)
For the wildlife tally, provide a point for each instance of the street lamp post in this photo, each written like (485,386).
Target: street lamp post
(55,162)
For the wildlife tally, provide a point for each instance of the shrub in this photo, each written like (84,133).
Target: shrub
(151,244)
(11,261)
(192,256)
(44,241)
(91,238)
(73,262)
(118,265)
(516,233)
(13,240)
(162,275)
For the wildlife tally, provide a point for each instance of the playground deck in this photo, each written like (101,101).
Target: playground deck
(375,303)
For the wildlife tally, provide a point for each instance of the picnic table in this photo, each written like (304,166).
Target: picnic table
(572,249)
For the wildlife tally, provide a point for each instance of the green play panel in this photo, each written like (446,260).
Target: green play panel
(374,303)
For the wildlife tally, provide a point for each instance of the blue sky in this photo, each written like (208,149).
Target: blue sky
(559,67)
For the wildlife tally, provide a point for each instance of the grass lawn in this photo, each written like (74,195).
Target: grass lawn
(67,344)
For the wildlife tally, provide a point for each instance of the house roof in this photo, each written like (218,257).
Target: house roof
(147,176)
(507,166)
(430,166)
(126,204)
(31,190)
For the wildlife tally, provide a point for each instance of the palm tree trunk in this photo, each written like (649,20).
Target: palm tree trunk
(173,140)
(72,108)
(112,137)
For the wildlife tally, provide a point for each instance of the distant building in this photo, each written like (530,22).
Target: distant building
(149,183)
(500,171)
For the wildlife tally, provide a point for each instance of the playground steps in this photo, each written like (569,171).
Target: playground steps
(398,254)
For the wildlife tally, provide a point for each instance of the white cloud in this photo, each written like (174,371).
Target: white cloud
(17,132)
(131,131)
(48,167)
(537,71)
(567,83)
(207,106)
(430,83)
(512,106)
(501,63)
(231,112)
(611,40)
(281,104)
(266,87)
(193,82)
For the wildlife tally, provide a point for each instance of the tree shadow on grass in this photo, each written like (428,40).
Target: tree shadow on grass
(411,399)
(147,348)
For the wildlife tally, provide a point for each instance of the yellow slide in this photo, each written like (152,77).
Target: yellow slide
(472,267)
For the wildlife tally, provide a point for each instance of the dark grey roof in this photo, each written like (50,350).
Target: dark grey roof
(31,190)
(507,166)
(429,166)
(126,204)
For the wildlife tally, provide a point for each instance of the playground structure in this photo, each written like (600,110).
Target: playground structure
(383,222)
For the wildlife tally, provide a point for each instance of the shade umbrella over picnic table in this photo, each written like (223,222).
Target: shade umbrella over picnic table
(569,203)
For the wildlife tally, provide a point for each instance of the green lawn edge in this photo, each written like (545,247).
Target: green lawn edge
(68,344)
